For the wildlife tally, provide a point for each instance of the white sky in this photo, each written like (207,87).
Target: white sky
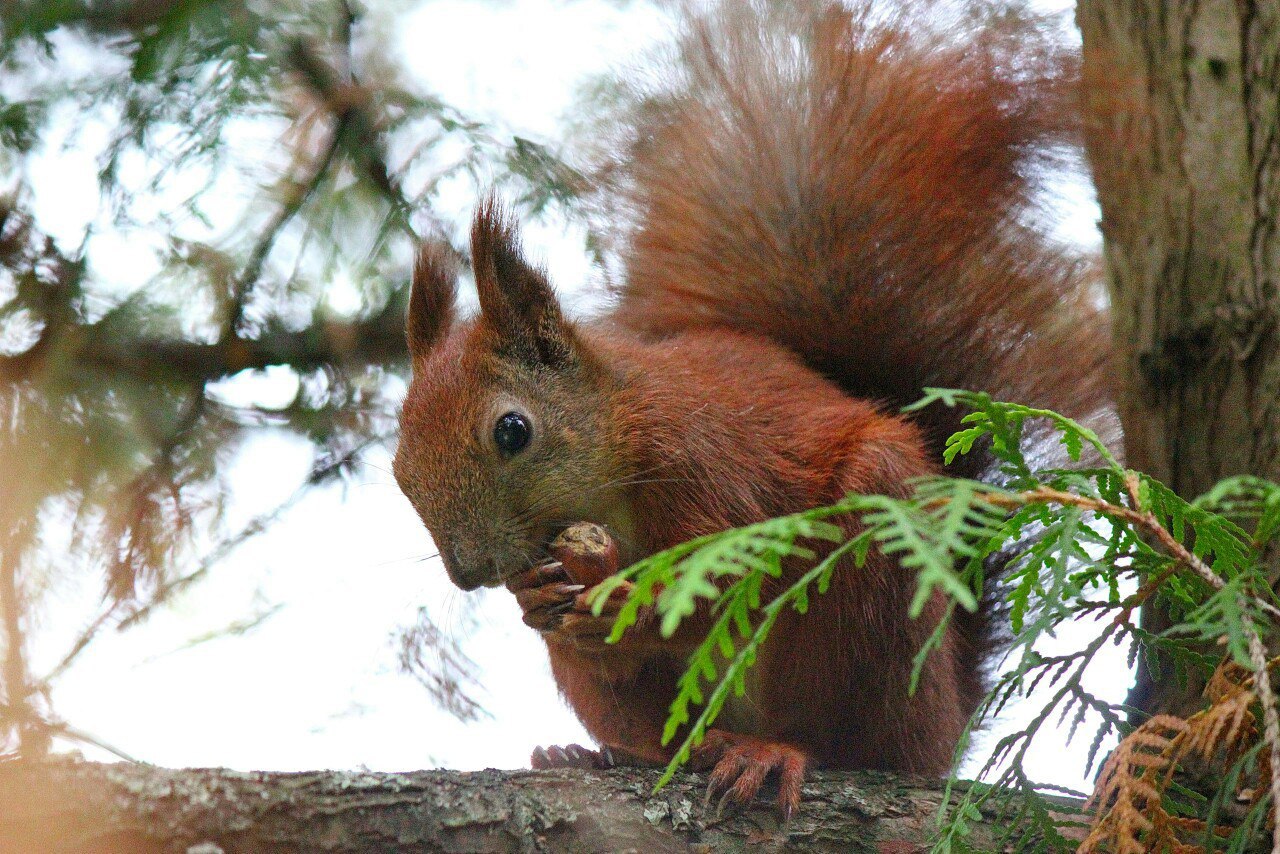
(316,685)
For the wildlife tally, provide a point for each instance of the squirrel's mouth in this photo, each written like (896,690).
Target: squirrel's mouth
(495,569)
(480,563)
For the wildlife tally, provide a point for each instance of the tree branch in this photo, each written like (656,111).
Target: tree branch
(63,805)
(366,341)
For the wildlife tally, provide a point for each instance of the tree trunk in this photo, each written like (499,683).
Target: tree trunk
(69,806)
(1183,135)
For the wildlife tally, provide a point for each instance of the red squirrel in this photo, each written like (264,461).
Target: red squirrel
(825,212)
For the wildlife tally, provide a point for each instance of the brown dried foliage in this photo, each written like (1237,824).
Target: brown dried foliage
(1131,812)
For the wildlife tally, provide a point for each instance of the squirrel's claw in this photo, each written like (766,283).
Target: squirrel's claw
(542,574)
(740,764)
(571,756)
(555,595)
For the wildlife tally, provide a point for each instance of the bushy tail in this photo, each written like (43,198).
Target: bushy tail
(859,188)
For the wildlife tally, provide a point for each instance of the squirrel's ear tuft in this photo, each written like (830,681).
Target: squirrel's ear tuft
(431,297)
(516,300)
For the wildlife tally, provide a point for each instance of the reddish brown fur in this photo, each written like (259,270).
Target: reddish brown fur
(800,243)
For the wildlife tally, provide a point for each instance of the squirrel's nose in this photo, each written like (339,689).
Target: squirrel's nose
(469,566)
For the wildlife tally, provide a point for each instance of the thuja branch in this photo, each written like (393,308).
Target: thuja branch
(1257,649)
(1270,718)
(1147,522)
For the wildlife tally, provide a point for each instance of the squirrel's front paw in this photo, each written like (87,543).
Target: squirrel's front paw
(552,603)
(582,624)
(544,594)
(571,756)
(554,596)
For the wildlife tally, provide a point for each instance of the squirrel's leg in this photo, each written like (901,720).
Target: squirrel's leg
(619,691)
(621,698)
(613,688)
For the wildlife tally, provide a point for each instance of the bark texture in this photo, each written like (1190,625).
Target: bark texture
(69,806)
(1182,131)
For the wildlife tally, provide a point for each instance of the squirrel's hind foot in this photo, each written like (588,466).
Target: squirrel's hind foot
(740,764)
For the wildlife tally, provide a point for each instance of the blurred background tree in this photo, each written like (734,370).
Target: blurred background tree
(263,170)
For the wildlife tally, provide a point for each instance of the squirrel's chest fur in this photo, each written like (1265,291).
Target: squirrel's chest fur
(737,430)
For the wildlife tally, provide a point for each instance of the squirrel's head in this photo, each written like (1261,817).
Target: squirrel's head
(504,439)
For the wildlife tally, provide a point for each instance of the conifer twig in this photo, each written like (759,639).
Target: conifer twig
(1270,717)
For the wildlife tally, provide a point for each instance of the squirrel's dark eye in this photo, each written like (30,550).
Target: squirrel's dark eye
(512,433)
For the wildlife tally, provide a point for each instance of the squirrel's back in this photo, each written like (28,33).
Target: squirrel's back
(861,191)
